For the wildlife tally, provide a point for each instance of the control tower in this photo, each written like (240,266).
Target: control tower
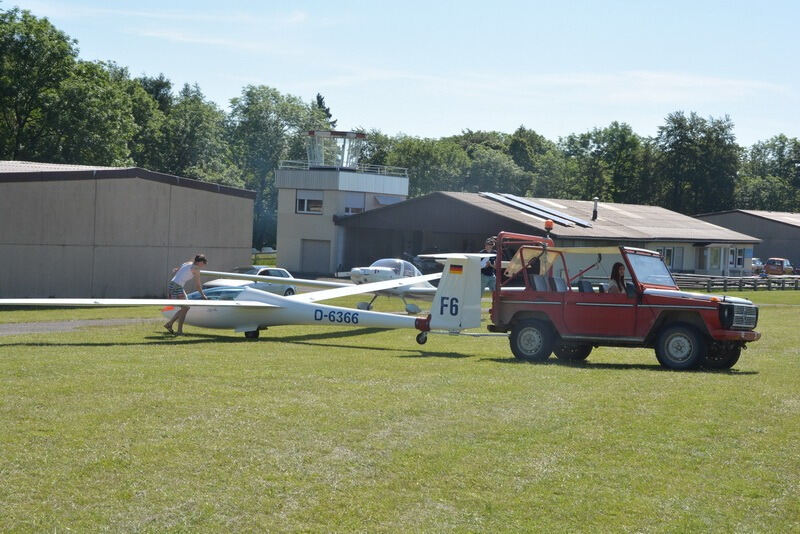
(332,183)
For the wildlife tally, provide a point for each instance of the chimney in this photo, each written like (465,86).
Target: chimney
(594,212)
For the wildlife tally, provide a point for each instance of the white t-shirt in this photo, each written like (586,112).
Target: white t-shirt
(184,274)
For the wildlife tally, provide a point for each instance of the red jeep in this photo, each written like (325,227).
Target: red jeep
(548,310)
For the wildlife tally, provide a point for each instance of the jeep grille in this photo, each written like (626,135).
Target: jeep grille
(744,317)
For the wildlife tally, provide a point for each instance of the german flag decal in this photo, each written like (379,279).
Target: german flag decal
(456,269)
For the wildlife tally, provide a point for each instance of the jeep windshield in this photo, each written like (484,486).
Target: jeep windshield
(650,270)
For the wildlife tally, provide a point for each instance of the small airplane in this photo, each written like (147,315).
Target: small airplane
(381,270)
(456,304)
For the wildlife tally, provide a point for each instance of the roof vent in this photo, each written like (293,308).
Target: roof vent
(594,211)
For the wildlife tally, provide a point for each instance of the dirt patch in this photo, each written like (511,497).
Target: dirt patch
(14,329)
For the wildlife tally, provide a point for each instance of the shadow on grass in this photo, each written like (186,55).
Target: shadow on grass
(330,335)
(192,338)
(618,366)
(425,354)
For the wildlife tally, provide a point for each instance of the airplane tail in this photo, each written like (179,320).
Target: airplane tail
(457,304)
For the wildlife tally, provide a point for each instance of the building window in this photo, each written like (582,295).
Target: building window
(677,259)
(666,254)
(309,202)
(353,203)
(702,259)
(716,258)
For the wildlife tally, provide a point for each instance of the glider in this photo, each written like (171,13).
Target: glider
(455,307)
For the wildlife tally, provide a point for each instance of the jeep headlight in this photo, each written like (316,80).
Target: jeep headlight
(726,314)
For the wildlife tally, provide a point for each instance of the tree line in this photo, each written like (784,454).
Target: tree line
(57,108)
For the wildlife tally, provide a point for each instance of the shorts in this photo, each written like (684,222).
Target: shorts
(175,291)
(488,282)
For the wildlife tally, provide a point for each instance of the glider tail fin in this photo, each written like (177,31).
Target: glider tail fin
(457,304)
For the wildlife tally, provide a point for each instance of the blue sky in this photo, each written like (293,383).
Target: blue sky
(431,69)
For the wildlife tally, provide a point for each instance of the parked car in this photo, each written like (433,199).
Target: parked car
(756,265)
(278,288)
(778,266)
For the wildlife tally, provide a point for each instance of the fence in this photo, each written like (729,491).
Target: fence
(740,283)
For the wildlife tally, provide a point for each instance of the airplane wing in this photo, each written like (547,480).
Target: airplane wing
(421,291)
(135,302)
(357,289)
(278,279)
(458,255)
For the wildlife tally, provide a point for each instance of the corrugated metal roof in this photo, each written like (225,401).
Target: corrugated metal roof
(615,222)
(780,216)
(32,166)
(28,171)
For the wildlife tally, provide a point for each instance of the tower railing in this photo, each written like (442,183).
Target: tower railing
(386,170)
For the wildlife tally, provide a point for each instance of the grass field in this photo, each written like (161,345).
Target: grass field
(322,429)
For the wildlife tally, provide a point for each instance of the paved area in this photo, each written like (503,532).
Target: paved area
(14,329)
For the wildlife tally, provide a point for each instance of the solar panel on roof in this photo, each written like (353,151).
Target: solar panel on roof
(528,209)
(553,212)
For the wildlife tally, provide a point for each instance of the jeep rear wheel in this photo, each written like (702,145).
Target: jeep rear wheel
(680,347)
(531,340)
(722,357)
(572,351)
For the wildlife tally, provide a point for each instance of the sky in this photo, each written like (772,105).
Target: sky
(435,68)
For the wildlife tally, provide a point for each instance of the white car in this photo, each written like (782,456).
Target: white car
(261,270)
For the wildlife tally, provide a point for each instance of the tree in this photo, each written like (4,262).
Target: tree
(376,148)
(319,104)
(433,165)
(147,143)
(94,124)
(195,143)
(468,139)
(160,89)
(698,163)
(35,59)
(495,171)
(769,177)
(267,126)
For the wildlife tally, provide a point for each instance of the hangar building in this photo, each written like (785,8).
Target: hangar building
(453,222)
(779,231)
(85,231)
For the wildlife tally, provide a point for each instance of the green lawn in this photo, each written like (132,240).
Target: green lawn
(323,429)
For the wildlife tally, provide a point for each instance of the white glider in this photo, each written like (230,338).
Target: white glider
(381,270)
(456,305)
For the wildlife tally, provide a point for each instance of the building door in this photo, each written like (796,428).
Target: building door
(315,256)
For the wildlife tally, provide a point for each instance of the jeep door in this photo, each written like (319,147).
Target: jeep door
(600,314)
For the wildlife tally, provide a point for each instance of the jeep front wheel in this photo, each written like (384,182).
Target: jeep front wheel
(722,357)
(680,347)
(572,351)
(531,340)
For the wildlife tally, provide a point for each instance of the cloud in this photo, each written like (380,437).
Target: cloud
(625,87)
(62,11)
(177,36)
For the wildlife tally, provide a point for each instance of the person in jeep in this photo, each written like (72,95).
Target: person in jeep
(617,278)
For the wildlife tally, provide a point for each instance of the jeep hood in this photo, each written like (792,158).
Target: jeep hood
(676,293)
